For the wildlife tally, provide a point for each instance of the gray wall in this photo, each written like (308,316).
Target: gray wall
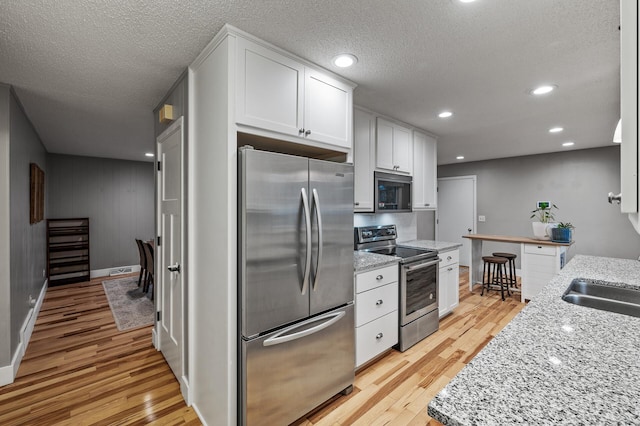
(5,229)
(576,181)
(27,242)
(116,195)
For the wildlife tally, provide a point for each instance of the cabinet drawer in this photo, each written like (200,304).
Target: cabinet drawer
(540,249)
(376,337)
(449,257)
(375,303)
(376,278)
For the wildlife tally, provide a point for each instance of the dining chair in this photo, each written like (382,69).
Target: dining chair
(143,262)
(149,282)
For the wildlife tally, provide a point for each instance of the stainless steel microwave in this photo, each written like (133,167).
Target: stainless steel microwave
(392,193)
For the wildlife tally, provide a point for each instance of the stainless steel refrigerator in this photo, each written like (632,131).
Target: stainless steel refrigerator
(295,297)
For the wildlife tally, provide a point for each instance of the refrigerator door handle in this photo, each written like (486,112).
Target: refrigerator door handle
(316,202)
(307,225)
(283,337)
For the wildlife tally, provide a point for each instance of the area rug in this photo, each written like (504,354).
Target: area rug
(130,306)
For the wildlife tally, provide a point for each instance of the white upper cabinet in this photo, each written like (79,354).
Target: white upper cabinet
(364,125)
(393,147)
(277,93)
(629,86)
(425,180)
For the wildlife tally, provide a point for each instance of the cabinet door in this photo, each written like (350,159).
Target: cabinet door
(453,272)
(384,144)
(363,139)
(424,172)
(443,294)
(402,149)
(328,109)
(269,89)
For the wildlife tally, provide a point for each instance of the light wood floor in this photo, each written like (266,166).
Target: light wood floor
(80,370)
(396,389)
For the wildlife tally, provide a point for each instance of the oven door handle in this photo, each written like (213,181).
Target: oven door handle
(422,265)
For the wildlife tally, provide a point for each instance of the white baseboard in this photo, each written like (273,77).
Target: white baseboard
(8,373)
(154,338)
(105,272)
(195,408)
(185,389)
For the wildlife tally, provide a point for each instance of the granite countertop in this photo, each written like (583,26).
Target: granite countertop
(364,261)
(441,246)
(555,362)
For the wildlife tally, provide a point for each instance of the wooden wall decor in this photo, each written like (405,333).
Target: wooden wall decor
(36,199)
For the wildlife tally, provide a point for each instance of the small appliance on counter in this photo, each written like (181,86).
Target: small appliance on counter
(418,279)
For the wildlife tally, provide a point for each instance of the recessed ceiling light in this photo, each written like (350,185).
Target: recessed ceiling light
(148,154)
(568,144)
(467,1)
(543,90)
(445,114)
(555,130)
(344,60)
(460,157)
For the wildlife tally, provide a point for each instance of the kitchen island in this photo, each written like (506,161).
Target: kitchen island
(555,363)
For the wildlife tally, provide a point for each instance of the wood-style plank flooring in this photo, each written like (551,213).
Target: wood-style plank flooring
(80,370)
(396,389)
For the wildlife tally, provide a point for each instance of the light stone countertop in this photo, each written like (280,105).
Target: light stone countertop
(441,246)
(555,362)
(364,261)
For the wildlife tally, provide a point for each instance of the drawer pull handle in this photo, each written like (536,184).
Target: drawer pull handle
(539,247)
(379,302)
(379,277)
(450,269)
(379,336)
(449,257)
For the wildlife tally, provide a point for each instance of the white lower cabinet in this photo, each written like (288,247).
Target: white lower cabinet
(540,263)
(448,282)
(376,305)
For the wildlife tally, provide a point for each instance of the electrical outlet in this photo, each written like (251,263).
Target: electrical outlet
(482,219)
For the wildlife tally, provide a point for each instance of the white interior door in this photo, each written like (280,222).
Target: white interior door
(457,212)
(169,253)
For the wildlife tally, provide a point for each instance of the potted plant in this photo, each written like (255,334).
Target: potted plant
(562,232)
(545,215)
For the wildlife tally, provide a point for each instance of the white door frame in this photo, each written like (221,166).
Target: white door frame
(183,380)
(474,228)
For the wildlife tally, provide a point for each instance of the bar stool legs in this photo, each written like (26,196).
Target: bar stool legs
(511,278)
(497,274)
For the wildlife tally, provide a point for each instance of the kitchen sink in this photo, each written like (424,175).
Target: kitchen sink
(603,296)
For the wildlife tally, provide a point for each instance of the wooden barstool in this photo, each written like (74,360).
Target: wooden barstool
(511,276)
(496,274)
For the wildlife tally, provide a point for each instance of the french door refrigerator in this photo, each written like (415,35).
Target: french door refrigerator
(296,315)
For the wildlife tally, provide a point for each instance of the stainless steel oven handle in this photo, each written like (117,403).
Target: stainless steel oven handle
(307,224)
(282,337)
(316,203)
(421,265)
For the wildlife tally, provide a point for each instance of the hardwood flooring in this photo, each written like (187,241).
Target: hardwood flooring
(80,370)
(396,389)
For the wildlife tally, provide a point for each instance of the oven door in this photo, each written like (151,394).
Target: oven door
(418,289)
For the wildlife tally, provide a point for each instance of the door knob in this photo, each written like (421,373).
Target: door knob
(614,198)
(174,268)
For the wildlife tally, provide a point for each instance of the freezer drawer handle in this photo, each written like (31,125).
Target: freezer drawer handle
(316,203)
(307,224)
(283,337)
(379,336)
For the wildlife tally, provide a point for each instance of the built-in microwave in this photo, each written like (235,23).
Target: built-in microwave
(392,193)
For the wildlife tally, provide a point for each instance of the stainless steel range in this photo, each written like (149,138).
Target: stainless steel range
(418,281)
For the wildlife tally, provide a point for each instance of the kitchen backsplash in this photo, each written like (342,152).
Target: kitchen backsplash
(406,223)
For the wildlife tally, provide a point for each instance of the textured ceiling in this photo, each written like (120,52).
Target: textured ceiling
(89,72)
